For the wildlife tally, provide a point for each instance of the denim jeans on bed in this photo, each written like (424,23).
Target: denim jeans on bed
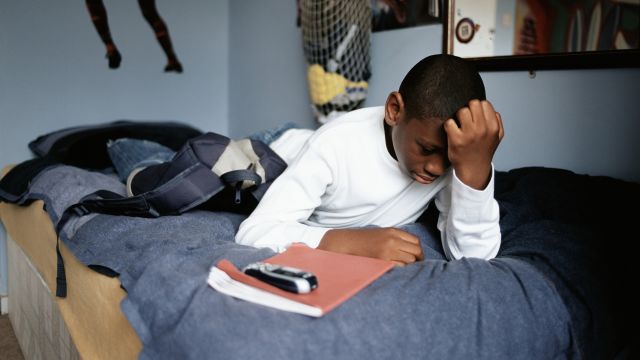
(129,154)
(270,135)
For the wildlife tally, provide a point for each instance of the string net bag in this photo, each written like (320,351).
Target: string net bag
(336,36)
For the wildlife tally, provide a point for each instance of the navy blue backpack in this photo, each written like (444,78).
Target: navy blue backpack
(209,171)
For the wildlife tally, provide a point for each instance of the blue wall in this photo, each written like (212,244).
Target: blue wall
(53,71)
(3,262)
(267,68)
(586,121)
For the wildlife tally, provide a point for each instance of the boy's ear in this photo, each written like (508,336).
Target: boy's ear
(393,109)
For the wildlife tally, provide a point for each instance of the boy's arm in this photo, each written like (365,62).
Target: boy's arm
(469,215)
(291,199)
(391,244)
(469,220)
(278,219)
(473,141)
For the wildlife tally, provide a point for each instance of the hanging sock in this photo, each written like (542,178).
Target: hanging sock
(173,65)
(114,57)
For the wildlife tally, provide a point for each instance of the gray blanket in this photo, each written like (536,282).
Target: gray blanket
(554,291)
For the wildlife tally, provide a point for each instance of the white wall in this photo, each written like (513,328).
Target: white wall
(53,71)
(586,121)
(3,267)
(267,67)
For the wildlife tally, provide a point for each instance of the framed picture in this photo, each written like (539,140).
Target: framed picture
(397,14)
(544,34)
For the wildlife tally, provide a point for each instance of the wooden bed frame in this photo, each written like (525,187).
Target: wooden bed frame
(88,323)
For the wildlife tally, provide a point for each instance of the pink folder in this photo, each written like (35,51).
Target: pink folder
(340,276)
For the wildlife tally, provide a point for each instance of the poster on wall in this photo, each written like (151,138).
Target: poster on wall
(553,26)
(528,27)
(98,15)
(397,14)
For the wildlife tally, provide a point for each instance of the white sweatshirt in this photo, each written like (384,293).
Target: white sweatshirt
(344,177)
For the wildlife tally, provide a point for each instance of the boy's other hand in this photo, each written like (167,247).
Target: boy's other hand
(472,142)
(392,244)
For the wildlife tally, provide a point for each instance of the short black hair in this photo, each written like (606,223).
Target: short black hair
(440,85)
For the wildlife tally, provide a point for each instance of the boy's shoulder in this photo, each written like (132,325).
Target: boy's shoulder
(352,123)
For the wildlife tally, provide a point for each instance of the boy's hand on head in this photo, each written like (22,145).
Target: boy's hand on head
(472,143)
(392,244)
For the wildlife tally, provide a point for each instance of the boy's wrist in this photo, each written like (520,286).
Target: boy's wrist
(476,177)
(340,240)
(329,241)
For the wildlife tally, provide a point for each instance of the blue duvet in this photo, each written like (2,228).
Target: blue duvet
(557,289)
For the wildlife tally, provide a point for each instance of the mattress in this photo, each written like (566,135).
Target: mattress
(91,310)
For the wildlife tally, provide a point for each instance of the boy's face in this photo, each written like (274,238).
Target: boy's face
(419,145)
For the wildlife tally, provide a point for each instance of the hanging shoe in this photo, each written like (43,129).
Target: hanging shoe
(173,65)
(114,59)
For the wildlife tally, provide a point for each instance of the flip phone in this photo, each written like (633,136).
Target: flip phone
(286,278)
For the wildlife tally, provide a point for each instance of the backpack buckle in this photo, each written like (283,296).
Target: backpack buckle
(81,210)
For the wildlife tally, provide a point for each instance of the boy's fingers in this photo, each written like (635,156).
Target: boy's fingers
(410,244)
(420,256)
(488,109)
(414,250)
(465,117)
(501,129)
(492,120)
(489,114)
(408,237)
(403,257)
(451,128)
(477,112)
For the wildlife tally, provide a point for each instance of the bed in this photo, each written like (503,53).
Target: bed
(88,322)
(557,290)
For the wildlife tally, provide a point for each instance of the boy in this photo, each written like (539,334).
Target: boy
(434,139)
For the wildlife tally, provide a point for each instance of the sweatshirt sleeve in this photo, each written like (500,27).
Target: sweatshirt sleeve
(279,218)
(469,220)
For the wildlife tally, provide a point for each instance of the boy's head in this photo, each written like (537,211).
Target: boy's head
(438,86)
(431,92)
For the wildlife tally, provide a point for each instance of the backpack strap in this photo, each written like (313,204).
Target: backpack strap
(163,200)
(236,178)
(61,277)
(101,201)
(14,186)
